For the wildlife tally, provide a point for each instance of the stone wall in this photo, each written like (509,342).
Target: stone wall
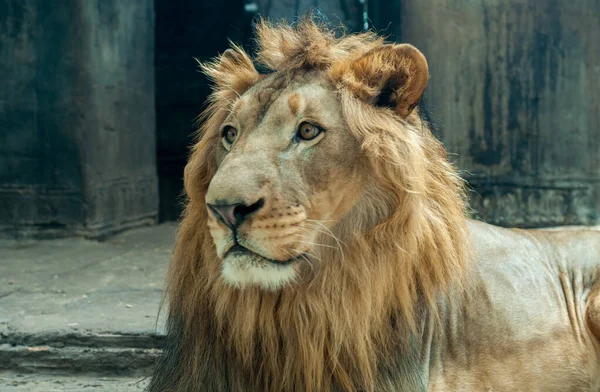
(515,92)
(77,119)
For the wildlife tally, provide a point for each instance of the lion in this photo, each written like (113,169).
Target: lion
(326,243)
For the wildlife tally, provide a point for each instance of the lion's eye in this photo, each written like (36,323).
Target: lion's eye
(229,134)
(308,131)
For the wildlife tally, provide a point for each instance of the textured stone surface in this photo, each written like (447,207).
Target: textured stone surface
(77,118)
(74,305)
(515,91)
(43,383)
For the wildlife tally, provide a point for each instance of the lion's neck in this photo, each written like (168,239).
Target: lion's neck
(287,341)
(345,332)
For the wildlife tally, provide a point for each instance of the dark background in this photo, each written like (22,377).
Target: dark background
(98,100)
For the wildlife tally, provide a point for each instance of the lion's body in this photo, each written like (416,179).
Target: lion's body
(325,244)
(523,327)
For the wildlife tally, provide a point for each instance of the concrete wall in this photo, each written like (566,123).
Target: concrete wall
(515,90)
(77,119)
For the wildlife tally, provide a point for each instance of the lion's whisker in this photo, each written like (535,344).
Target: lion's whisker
(314,243)
(320,223)
(328,232)
(320,230)
(302,255)
(308,261)
(317,244)
(312,255)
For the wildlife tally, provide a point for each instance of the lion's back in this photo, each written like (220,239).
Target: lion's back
(568,249)
(527,306)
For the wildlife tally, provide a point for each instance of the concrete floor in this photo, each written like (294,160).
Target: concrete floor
(73,307)
(41,383)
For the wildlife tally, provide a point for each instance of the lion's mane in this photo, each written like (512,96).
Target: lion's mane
(404,245)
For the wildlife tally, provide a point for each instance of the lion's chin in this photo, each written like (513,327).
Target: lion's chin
(246,269)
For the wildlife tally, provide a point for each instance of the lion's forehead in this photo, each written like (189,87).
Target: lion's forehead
(284,95)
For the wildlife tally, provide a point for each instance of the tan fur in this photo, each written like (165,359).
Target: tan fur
(367,75)
(391,244)
(294,103)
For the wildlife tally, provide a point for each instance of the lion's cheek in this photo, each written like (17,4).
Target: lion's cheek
(331,205)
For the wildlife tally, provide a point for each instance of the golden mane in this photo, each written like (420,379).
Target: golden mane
(405,245)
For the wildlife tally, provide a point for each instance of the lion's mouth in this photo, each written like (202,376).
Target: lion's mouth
(239,250)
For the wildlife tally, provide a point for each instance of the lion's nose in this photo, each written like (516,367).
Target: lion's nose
(232,215)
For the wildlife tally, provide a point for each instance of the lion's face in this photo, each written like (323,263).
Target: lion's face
(288,170)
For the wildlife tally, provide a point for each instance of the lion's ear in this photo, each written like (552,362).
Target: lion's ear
(390,75)
(233,71)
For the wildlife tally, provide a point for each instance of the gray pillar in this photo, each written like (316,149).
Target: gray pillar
(77,119)
(515,89)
